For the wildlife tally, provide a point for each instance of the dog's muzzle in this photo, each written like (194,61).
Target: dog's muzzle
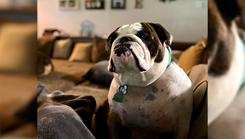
(126,54)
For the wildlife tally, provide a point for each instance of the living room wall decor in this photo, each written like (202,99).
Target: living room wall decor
(166,0)
(87,28)
(118,4)
(95,4)
(68,4)
(138,4)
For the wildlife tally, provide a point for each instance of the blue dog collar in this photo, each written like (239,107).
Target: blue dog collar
(169,56)
(243,77)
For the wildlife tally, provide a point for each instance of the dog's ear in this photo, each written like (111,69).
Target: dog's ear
(111,38)
(232,9)
(162,33)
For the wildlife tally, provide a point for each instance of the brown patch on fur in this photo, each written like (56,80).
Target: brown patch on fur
(154,44)
(220,41)
(158,40)
(160,55)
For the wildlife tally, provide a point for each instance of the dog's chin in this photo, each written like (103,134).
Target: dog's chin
(123,62)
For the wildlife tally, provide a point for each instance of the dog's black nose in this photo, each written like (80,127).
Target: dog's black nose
(125,39)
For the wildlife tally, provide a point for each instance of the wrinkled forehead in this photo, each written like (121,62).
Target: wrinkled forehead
(130,29)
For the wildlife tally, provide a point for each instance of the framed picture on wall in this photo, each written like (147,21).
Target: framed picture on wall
(68,4)
(95,4)
(118,4)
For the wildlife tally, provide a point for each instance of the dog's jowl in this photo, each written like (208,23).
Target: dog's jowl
(150,95)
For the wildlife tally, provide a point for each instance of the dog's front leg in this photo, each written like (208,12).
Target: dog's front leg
(114,123)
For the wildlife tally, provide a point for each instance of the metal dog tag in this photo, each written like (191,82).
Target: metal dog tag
(118,97)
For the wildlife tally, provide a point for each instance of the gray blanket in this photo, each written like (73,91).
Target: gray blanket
(63,116)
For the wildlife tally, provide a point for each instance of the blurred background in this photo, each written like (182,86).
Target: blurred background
(58,41)
(18,33)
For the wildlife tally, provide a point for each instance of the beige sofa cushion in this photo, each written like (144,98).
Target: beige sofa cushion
(62,49)
(18,47)
(199,78)
(192,56)
(81,52)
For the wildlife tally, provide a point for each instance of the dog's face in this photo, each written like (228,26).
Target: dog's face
(136,47)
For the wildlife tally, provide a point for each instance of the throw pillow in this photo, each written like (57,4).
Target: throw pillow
(192,56)
(99,74)
(99,52)
(62,49)
(81,52)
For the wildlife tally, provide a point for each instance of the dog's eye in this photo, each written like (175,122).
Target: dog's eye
(143,36)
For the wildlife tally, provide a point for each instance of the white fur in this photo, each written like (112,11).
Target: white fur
(128,29)
(222,90)
(174,116)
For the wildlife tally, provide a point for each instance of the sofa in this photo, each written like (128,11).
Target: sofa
(71,76)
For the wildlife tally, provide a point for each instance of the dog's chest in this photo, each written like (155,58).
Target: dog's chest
(150,110)
(155,107)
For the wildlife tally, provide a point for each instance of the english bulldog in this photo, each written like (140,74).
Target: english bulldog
(150,95)
(226,66)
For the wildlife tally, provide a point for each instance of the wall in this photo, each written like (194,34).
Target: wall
(181,18)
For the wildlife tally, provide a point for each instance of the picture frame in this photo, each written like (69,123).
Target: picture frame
(95,4)
(68,4)
(118,4)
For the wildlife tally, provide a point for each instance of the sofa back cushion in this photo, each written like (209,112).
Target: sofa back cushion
(62,49)
(81,52)
(192,56)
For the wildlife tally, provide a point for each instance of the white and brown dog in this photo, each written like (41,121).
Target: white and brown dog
(149,94)
(226,64)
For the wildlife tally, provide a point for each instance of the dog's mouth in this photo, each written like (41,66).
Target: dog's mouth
(125,55)
(122,48)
